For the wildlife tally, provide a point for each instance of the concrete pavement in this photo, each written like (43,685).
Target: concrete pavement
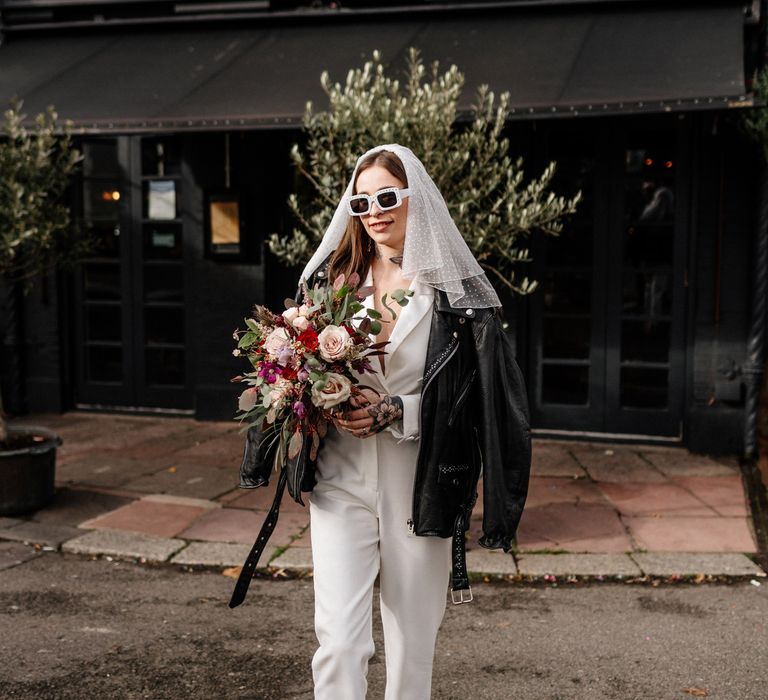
(165,490)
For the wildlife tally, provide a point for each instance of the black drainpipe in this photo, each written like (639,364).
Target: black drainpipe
(754,364)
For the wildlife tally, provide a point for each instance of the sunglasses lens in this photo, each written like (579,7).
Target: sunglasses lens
(387,200)
(359,205)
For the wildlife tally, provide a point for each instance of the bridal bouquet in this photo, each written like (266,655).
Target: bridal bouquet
(306,361)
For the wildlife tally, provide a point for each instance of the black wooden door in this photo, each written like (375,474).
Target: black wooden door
(130,325)
(607,322)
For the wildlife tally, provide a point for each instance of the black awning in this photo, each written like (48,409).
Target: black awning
(553,63)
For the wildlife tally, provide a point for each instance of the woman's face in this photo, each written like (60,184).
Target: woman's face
(384,227)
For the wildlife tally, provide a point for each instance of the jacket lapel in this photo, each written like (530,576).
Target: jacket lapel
(408,318)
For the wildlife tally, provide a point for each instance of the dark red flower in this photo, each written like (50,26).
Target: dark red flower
(308,339)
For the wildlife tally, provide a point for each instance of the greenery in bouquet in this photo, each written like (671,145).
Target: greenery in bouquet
(307,361)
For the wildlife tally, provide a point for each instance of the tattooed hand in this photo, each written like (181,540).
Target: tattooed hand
(388,410)
(367,420)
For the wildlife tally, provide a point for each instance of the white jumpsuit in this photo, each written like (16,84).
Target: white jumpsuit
(359,513)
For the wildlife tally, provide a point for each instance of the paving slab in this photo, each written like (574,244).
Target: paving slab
(216,554)
(187,479)
(6,523)
(543,490)
(609,564)
(99,468)
(241,526)
(47,534)
(655,499)
(15,553)
(117,543)
(148,517)
(725,494)
(585,527)
(692,534)
(74,506)
(692,563)
(616,465)
(554,459)
(680,462)
(484,561)
(297,558)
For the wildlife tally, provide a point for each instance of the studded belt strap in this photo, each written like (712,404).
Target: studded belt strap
(461,592)
(244,580)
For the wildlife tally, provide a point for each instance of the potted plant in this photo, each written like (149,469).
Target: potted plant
(36,237)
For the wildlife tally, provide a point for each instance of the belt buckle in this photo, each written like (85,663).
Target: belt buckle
(462,595)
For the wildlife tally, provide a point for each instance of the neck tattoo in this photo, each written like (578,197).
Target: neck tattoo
(397,259)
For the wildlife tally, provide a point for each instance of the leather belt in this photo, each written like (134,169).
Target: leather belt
(244,580)
(461,591)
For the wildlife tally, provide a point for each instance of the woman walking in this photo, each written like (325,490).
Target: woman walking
(395,478)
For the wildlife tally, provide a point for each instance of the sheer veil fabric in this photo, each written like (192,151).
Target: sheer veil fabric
(435,252)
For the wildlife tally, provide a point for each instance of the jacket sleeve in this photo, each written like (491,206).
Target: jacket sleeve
(503,434)
(258,458)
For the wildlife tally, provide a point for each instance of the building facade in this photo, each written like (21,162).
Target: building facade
(639,327)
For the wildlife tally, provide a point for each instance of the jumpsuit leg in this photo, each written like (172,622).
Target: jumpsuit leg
(345,553)
(414,578)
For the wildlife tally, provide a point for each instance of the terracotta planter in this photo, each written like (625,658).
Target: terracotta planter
(27,474)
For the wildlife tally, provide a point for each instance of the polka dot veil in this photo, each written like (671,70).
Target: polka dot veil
(435,252)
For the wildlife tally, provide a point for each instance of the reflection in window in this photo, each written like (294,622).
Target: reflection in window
(644,387)
(565,384)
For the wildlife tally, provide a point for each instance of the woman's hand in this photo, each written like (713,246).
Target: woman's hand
(371,414)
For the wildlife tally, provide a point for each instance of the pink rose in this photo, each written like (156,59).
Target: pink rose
(337,389)
(301,323)
(248,399)
(334,343)
(276,340)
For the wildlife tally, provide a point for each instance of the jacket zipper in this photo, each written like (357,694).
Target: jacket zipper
(438,364)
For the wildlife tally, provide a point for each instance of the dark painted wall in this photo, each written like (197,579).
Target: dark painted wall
(724,211)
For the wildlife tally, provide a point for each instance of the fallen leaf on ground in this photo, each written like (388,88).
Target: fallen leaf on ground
(232,571)
(697,692)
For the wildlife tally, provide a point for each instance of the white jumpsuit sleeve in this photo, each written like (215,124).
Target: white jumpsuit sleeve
(408,427)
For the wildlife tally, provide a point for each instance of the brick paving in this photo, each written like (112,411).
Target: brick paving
(174,480)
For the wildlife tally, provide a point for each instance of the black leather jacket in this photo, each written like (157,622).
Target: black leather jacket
(474,420)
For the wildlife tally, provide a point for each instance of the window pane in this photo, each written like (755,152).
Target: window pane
(160,156)
(647,293)
(563,384)
(566,337)
(100,158)
(567,291)
(102,281)
(160,200)
(164,366)
(162,241)
(104,364)
(644,387)
(104,323)
(163,282)
(164,325)
(645,341)
(101,201)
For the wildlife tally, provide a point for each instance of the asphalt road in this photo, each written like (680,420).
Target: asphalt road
(78,628)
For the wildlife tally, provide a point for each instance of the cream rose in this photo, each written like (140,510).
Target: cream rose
(279,390)
(300,323)
(336,390)
(276,340)
(291,313)
(248,399)
(334,343)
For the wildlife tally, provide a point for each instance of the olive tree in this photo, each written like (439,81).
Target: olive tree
(36,232)
(493,204)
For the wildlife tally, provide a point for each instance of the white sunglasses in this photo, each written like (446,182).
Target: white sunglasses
(388,198)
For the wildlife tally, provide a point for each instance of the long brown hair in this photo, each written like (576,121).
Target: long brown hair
(356,250)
